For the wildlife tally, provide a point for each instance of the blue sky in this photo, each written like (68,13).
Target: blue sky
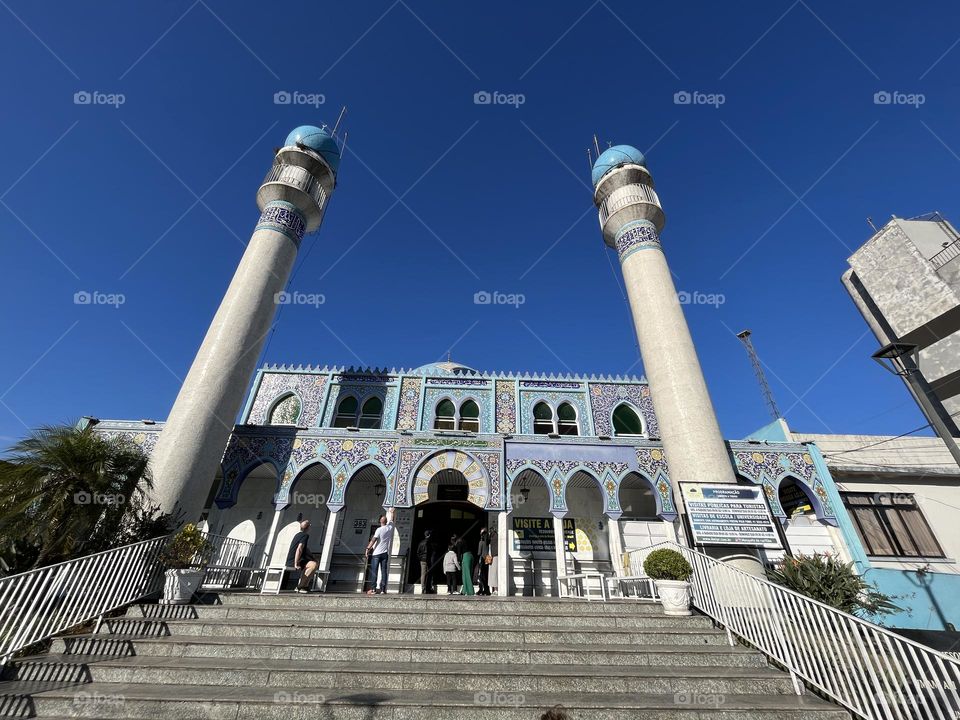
(766,194)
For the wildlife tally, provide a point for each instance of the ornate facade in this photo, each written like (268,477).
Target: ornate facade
(497,434)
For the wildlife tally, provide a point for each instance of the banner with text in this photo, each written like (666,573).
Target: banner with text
(536,534)
(729,515)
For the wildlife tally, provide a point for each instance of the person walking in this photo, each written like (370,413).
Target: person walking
(427,554)
(379,552)
(483,569)
(450,566)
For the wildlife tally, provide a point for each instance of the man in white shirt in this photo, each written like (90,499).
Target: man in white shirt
(379,552)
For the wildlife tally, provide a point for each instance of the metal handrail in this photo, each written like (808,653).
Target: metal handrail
(41,603)
(38,604)
(944,256)
(231,560)
(866,668)
(627,195)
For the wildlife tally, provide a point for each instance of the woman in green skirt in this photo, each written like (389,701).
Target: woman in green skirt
(466,563)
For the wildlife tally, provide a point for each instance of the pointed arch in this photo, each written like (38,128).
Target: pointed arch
(285,410)
(623,424)
(524,475)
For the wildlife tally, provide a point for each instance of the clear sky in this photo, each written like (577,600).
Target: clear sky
(767,177)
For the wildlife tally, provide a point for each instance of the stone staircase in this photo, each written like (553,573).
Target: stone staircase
(237,656)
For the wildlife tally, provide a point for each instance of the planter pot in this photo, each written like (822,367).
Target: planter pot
(180,585)
(674,596)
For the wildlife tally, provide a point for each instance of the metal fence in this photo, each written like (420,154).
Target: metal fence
(40,603)
(37,604)
(873,672)
(234,563)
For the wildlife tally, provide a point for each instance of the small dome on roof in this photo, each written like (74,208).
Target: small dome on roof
(448,367)
(319,140)
(614,157)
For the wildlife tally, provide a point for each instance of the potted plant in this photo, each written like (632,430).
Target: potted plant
(185,559)
(671,571)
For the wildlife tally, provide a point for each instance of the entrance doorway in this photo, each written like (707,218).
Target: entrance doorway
(444,518)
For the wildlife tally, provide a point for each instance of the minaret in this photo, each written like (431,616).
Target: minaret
(292,200)
(631,219)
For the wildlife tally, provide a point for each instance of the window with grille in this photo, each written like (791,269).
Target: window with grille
(542,419)
(346,413)
(891,525)
(445,418)
(470,416)
(567,420)
(626,421)
(370,413)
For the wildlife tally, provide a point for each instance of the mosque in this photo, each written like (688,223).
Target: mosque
(569,471)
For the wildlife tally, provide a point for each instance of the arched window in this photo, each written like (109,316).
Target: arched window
(445,416)
(470,416)
(567,420)
(286,412)
(542,419)
(346,413)
(370,413)
(626,421)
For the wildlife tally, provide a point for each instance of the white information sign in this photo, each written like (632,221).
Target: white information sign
(729,515)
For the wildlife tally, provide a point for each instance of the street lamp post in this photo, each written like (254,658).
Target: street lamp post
(903,360)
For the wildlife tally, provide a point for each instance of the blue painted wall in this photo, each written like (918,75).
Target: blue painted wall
(929,601)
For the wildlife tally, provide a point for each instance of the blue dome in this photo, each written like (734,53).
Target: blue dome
(614,157)
(319,140)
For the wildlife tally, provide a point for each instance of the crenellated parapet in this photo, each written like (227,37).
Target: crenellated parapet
(309,397)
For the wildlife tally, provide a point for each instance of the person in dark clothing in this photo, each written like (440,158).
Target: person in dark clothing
(300,557)
(483,550)
(427,555)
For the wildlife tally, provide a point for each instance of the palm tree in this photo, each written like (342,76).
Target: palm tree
(66,490)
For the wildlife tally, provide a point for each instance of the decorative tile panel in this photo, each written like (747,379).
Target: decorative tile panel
(506,407)
(282,217)
(146,441)
(458,395)
(604,398)
(309,387)
(529,398)
(641,236)
(770,467)
(409,403)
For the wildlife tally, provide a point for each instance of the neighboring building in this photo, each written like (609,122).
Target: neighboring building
(905,280)
(900,527)
(455,450)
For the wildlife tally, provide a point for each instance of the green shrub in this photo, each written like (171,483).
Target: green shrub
(832,582)
(188,548)
(667,564)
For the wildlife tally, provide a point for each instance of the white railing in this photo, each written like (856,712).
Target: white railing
(873,672)
(234,563)
(37,604)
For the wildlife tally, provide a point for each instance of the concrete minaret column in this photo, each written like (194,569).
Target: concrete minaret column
(631,219)
(292,198)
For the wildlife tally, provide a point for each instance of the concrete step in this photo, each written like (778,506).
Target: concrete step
(436,676)
(697,635)
(214,702)
(456,603)
(453,649)
(434,614)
